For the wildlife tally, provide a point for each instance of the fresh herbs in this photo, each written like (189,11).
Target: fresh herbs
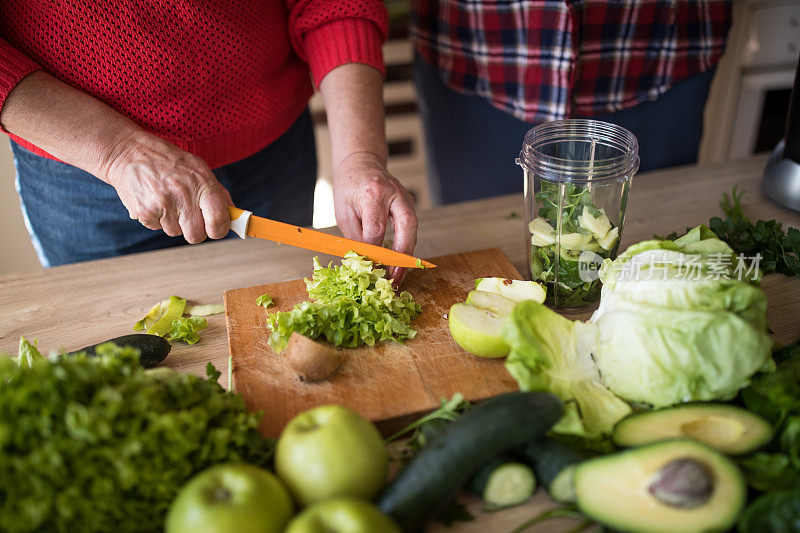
(100,444)
(779,251)
(352,304)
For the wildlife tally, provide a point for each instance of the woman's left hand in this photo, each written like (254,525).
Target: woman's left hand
(367,199)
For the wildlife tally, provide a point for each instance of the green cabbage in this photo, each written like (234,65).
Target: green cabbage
(675,324)
(549,353)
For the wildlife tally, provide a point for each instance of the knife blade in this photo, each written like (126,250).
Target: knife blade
(245,223)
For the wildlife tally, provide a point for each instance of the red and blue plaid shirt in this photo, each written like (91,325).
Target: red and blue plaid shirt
(543,60)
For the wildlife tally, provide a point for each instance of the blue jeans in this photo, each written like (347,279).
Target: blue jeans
(73,216)
(472,145)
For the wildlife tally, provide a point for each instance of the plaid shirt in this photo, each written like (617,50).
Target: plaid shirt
(544,60)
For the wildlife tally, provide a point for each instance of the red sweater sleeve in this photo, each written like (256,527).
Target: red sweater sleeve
(327,34)
(14,65)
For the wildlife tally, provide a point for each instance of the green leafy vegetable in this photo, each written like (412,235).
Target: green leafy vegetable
(100,444)
(779,250)
(353,304)
(674,325)
(185,329)
(769,471)
(776,512)
(549,353)
(265,300)
(28,353)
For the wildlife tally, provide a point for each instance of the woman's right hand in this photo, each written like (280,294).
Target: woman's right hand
(164,187)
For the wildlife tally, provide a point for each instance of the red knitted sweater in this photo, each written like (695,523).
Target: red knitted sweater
(220,79)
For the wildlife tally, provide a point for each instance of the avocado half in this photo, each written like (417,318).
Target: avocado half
(729,429)
(674,486)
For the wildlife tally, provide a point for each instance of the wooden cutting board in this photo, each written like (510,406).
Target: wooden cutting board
(386,382)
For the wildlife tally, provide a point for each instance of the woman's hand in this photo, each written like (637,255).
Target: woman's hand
(367,198)
(164,187)
(161,185)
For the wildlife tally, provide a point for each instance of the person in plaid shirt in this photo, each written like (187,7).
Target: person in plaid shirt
(487,70)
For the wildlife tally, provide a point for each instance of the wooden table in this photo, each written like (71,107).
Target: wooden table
(76,305)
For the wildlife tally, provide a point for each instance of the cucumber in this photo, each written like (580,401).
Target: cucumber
(153,348)
(449,459)
(552,461)
(503,482)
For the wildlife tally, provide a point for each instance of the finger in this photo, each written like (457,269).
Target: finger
(213,204)
(192,224)
(169,223)
(374,206)
(398,275)
(348,221)
(405,224)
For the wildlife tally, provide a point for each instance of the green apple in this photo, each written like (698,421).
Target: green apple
(342,515)
(331,451)
(231,498)
(499,305)
(513,289)
(477,330)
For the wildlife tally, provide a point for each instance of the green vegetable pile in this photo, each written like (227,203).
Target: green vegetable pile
(675,324)
(100,444)
(352,304)
(568,223)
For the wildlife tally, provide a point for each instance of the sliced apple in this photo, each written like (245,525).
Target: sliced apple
(492,301)
(513,289)
(536,241)
(543,231)
(477,330)
(574,241)
(599,226)
(610,239)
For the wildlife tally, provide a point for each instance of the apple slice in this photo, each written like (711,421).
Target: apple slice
(599,226)
(513,289)
(610,239)
(499,305)
(542,230)
(477,330)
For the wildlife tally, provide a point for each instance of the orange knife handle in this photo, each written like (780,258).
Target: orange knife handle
(240,218)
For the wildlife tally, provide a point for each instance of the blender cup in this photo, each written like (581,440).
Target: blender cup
(577,177)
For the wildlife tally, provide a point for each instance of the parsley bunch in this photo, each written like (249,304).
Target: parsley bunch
(780,252)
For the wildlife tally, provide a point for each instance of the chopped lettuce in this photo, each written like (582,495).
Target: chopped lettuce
(352,304)
(265,300)
(185,329)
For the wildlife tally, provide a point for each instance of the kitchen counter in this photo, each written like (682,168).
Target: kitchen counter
(77,305)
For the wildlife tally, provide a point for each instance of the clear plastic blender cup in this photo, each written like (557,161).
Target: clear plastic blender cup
(578,175)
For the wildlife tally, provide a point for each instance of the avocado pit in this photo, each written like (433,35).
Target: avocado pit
(683,483)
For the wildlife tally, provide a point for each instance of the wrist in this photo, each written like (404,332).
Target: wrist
(111,147)
(363,157)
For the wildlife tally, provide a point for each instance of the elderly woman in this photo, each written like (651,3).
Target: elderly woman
(127,117)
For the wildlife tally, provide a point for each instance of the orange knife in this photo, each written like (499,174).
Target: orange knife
(245,223)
